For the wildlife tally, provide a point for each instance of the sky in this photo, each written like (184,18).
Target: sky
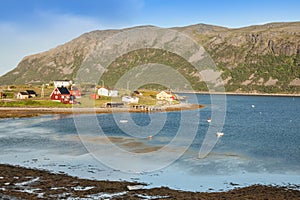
(32,26)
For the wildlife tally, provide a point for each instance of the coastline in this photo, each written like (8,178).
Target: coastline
(244,94)
(25,183)
(20,112)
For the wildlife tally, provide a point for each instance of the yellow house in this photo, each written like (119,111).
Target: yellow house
(165,96)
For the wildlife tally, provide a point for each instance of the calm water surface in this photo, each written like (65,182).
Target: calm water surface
(261,144)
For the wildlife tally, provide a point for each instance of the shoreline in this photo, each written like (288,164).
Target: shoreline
(20,112)
(243,94)
(25,183)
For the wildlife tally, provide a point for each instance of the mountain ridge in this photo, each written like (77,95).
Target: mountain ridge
(258,58)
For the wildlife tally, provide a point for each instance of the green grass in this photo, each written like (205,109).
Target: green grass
(33,103)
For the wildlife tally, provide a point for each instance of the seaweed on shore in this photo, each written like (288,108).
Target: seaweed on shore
(22,183)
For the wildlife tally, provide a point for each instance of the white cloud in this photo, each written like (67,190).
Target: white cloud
(20,40)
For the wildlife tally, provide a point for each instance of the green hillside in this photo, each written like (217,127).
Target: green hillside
(264,58)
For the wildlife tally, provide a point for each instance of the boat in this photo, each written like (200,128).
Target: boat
(123,121)
(219,134)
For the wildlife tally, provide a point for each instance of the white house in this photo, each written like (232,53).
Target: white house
(164,96)
(103,92)
(128,99)
(62,83)
(113,93)
(22,95)
(107,93)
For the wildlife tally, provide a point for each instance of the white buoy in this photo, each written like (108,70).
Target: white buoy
(253,106)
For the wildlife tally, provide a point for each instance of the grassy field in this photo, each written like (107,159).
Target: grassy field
(33,103)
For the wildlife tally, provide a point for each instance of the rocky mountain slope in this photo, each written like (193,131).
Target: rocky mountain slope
(262,58)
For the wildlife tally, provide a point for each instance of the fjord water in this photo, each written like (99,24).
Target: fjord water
(260,145)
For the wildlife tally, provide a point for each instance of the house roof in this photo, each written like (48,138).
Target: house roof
(164,93)
(63,90)
(30,91)
(23,93)
(102,88)
(61,81)
(107,88)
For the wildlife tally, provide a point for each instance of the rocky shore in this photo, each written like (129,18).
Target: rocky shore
(23,183)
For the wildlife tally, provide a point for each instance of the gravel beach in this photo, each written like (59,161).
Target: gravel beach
(23,183)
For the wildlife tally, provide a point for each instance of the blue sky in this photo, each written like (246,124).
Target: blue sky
(32,26)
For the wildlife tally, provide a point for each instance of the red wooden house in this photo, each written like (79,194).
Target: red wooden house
(62,94)
(76,92)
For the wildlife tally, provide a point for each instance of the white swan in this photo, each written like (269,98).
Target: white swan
(219,134)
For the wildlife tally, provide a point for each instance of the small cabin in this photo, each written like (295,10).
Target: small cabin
(107,93)
(103,92)
(165,96)
(76,92)
(136,92)
(22,95)
(128,99)
(113,93)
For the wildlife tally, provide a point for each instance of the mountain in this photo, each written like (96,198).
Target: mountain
(261,58)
